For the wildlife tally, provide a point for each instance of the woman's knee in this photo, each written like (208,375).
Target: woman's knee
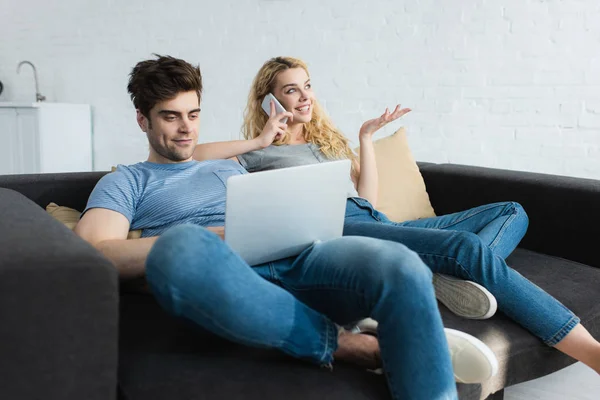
(467,242)
(520,213)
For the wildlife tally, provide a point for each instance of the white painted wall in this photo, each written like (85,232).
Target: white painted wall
(511,84)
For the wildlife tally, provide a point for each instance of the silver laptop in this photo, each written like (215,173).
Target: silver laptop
(276,214)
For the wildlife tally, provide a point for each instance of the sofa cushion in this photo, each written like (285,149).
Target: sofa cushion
(70,217)
(402,194)
(65,215)
(165,358)
(161,357)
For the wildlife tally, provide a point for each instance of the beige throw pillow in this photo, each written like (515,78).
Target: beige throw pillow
(66,215)
(70,217)
(402,194)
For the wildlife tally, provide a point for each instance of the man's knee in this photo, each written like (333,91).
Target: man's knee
(179,249)
(389,262)
(407,268)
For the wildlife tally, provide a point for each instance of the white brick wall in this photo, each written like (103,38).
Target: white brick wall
(512,84)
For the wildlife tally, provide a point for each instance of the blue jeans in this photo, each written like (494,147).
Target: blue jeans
(501,226)
(472,245)
(292,304)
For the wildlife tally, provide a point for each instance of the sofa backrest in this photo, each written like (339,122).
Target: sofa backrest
(66,189)
(563,211)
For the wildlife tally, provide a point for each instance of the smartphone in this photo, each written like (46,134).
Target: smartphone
(266,106)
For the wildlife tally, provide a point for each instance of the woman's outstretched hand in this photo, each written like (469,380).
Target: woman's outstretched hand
(373,125)
(274,128)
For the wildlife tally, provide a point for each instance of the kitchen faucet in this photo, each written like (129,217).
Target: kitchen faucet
(38,95)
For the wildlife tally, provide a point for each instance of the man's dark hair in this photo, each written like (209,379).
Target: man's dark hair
(153,81)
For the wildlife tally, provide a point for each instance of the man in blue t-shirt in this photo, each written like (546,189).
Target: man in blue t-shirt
(296,304)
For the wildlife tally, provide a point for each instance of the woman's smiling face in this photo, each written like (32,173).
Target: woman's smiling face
(294,91)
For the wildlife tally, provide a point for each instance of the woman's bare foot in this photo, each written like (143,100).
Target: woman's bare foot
(358,349)
(580,345)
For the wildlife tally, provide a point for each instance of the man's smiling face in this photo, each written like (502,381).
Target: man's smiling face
(172,128)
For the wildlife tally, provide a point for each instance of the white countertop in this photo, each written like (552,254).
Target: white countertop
(24,104)
(20,104)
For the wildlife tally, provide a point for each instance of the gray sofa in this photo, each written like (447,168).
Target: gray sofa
(69,331)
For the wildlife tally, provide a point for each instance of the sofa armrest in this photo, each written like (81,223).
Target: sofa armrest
(564,212)
(58,309)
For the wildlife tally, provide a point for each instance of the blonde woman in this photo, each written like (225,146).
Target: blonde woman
(470,245)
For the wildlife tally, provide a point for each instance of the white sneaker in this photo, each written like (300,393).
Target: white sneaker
(464,298)
(472,360)
(367,325)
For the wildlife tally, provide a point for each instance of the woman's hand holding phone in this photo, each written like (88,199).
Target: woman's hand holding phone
(373,125)
(274,128)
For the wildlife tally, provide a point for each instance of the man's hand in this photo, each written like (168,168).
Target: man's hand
(219,230)
(373,125)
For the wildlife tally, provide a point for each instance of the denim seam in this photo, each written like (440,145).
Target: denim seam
(502,230)
(563,331)
(327,355)
(274,277)
(466,271)
(465,217)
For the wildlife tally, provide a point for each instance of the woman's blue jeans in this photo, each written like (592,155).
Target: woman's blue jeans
(472,245)
(292,304)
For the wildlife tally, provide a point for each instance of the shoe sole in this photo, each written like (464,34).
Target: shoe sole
(476,363)
(464,298)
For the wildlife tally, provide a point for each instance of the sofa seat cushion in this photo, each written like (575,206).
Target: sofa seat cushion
(522,356)
(163,358)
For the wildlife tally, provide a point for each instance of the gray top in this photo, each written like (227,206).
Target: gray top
(285,156)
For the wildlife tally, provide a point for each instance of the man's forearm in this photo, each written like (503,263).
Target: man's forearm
(224,150)
(128,256)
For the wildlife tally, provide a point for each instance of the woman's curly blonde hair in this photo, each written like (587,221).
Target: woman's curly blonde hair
(320,130)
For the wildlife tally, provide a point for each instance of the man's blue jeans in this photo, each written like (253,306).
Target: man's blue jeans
(292,304)
(472,245)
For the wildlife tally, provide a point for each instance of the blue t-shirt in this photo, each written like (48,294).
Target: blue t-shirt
(155,197)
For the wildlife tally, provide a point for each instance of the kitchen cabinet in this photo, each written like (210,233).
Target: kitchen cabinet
(45,137)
